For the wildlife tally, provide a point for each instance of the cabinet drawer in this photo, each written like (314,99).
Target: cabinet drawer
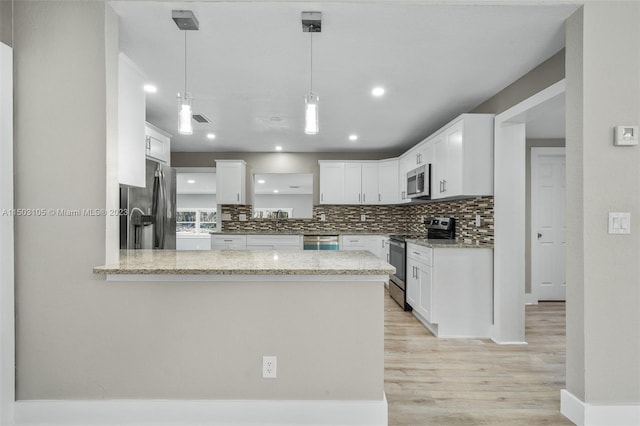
(228,239)
(353,242)
(420,254)
(273,240)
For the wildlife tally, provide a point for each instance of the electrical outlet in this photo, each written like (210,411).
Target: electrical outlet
(323,217)
(477,221)
(363,217)
(421,218)
(269,367)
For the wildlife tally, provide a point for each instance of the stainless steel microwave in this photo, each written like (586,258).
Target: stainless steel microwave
(419,182)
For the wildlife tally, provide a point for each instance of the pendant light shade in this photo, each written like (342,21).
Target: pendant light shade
(186,21)
(185,115)
(311,114)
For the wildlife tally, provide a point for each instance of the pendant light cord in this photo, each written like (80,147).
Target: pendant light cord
(311,61)
(185,64)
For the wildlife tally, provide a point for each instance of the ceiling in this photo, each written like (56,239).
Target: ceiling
(249,68)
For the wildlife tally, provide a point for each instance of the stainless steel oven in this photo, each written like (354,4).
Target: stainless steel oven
(398,259)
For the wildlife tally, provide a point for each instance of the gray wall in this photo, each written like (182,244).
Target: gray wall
(6,22)
(185,201)
(531,143)
(603,272)
(544,75)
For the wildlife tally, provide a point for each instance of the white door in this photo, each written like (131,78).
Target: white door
(548,185)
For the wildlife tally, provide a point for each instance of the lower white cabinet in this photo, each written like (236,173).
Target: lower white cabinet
(376,244)
(274,242)
(193,242)
(228,242)
(450,289)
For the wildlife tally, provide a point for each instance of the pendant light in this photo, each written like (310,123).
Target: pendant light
(311,22)
(186,21)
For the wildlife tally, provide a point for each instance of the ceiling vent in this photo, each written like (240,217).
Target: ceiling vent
(201,118)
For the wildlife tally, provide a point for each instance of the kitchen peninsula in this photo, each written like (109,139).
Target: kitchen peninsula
(212,316)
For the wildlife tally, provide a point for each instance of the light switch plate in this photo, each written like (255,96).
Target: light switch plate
(625,136)
(225,216)
(619,223)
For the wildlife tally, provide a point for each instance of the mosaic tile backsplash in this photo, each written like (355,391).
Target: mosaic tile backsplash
(402,219)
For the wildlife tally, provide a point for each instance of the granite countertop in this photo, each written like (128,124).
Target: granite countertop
(446,243)
(283,232)
(246,262)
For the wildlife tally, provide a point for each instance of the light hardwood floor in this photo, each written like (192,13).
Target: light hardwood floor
(431,381)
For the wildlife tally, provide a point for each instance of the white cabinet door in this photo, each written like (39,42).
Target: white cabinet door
(370,190)
(158,144)
(353,242)
(412,285)
(188,242)
(353,183)
(131,116)
(425,279)
(452,183)
(228,242)
(438,168)
(388,185)
(404,166)
(230,182)
(332,185)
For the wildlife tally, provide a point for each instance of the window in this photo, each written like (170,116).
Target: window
(196,221)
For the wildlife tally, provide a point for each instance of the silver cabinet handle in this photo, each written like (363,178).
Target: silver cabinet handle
(238,196)
(379,197)
(444,186)
(228,241)
(359,198)
(364,198)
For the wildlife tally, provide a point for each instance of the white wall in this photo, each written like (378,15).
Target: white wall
(190,201)
(302,204)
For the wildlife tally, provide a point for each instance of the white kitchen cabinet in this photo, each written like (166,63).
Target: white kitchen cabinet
(228,242)
(231,187)
(463,158)
(450,289)
(349,182)
(274,242)
(388,188)
(332,185)
(131,129)
(376,244)
(193,242)
(157,144)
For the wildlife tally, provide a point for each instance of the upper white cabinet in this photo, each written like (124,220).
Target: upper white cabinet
(231,187)
(388,187)
(157,144)
(131,126)
(463,158)
(332,184)
(405,164)
(349,182)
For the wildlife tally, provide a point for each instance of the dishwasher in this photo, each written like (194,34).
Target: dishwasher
(321,242)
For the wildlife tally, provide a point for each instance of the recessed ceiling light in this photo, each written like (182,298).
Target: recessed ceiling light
(150,88)
(278,148)
(191,181)
(377,91)
(261,181)
(353,137)
(275,191)
(211,136)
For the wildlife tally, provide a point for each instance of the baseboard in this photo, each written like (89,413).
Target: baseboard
(506,342)
(597,415)
(209,413)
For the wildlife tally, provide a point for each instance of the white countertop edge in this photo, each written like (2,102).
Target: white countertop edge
(240,278)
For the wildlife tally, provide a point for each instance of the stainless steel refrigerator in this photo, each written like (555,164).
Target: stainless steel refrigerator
(151,219)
